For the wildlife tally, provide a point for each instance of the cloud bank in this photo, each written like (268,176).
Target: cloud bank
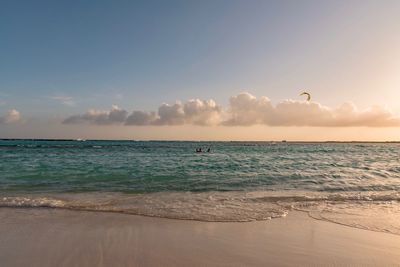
(195,112)
(12,116)
(115,115)
(244,110)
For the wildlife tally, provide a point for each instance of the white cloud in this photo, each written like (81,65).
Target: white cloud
(244,110)
(202,112)
(171,114)
(65,100)
(115,115)
(197,112)
(194,111)
(12,116)
(141,118)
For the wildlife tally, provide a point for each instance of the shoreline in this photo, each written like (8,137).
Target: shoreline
(58,237)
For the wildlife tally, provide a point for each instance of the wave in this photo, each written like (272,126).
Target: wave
(377,211)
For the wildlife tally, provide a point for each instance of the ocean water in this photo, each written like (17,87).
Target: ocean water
(355,184)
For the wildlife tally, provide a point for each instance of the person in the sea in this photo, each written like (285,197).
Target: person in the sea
(209,149)
(198,150)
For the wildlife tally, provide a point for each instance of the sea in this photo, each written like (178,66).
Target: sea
(354,184)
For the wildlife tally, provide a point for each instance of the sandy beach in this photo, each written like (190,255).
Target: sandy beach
(56,237)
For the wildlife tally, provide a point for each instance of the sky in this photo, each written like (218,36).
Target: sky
(200,70)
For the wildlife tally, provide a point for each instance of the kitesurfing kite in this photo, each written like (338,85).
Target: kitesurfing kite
(307,94)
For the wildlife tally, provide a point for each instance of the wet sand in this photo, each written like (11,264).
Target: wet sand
(55,237)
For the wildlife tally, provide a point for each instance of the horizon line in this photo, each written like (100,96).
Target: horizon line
(177,140)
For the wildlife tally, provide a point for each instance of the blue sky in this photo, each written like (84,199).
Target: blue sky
(60,58)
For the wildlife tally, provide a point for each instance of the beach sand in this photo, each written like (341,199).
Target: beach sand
(56,237)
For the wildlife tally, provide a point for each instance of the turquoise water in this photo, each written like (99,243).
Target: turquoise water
(356,184)
(139,167)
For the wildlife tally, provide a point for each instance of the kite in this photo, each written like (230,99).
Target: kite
(307,94)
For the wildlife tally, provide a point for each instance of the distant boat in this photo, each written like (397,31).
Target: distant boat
(80,140)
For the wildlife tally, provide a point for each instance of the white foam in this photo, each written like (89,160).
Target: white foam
(366,210)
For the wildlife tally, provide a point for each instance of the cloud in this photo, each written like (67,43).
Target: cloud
(245,109)
(115,115)
(375,116)
(119,96)
(197,112)
(141,118)
(202,112)
(12,116)
(65,100)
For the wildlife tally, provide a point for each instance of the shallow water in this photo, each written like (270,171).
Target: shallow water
(356,184)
